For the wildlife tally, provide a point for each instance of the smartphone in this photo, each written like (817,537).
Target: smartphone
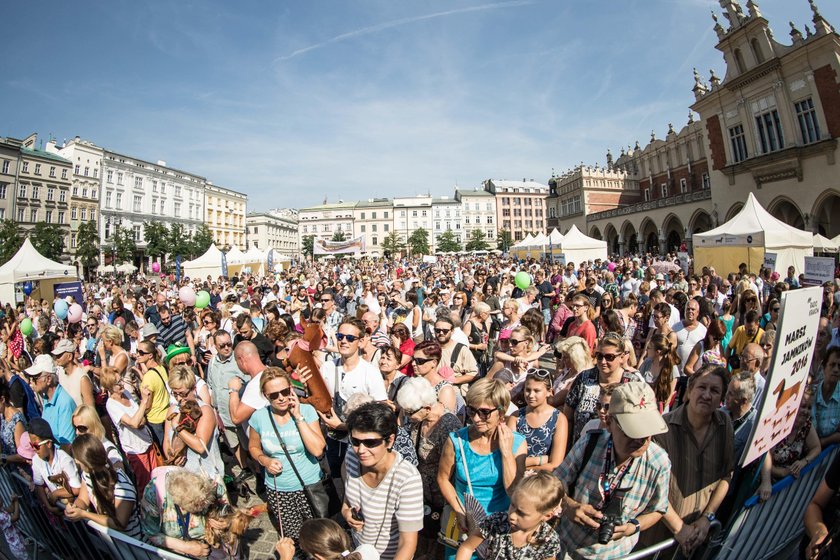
(356,514)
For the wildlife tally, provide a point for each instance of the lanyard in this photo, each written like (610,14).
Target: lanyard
(183,523)
(606,483)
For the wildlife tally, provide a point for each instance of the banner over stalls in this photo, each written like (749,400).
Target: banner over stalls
(355,246)
(788,375)
(74,289)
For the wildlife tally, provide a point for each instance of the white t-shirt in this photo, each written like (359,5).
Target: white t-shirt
(61,463)
(252,396)
(364,378)
(672,320)
(135,441)
(687,340)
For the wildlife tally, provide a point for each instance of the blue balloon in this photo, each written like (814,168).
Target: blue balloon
(61,308)
(27,288)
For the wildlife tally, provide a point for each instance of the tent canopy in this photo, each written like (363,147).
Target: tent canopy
(525,242)
(254,255)
(208,264)
(30,265)
(539,240)
(235,256)
(555,237)
(579,247)
(747,236)
(824,245)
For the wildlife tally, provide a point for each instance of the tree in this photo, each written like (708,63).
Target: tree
(504,240)
(476,241)
(157,239)
(339,236)
(307,245)
(49,240)
(448,243)
(123,245)
(392,244)
(419,242)
(179,242)
(202,240)
(87,245)
(10,240)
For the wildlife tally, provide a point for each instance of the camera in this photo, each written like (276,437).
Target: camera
(611,519)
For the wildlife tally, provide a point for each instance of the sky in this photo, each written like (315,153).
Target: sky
(296,102)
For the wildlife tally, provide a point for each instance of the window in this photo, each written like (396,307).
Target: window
(120,178)
(84,192)
(119,200)
(647,194)
(6,165)
(138,182)
(424,213)
(137,236)
(73,240)
(73,213)
(109,177)
(373,228)
(75,190)
(707,184)
(375,240)
(107,199)
(386,215)
(304,229)
(414,213)
(664,188)
(363,215)
(33,215)
(50,194)
(807,117)
(87,171)
(162,202)
(92,214)
(362,229)
(37,169)
(95,173)
(52,171)
(738,143)
(163,188)
(385,227)
(22,191)
(177,209)
(84,214)
(372,215)
(25,167)
(756,49)
(36,191)
(489,219)
(138,203)
(76,169)
(2,190)
(177,190)
(61,217)
(20,215)
(770,131)
(683,185)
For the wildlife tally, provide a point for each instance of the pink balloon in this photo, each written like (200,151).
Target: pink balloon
(155,267)
(74,314)
(611,267)
(187,295)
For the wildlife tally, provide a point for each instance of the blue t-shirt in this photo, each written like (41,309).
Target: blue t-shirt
(306,464)
(58,412)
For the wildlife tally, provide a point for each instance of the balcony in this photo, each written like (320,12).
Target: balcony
(652,205)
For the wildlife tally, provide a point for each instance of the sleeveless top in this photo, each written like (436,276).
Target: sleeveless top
(460,405)
(7,433)
(72,383)
(539,439)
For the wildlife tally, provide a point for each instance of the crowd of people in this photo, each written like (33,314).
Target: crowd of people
(481,407)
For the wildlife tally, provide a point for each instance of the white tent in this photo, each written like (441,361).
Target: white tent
(824,245)
(540,240)
(30,265)
(746,237)
(236,256)
(525,242)
(579,247)
(208,264)
(256,259)
(126,268)
(555,237)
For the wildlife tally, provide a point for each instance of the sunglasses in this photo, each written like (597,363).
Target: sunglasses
(143,353)
(348,337)
(370,443)
(39,445)
(775,309)
(602,407)
(539,373)
(577,305)
(608,357)
(516,341)
(325,300)
(482,413)
(276,394)
(412,412)
(443,331)
(181,394)
(208,322)
(81,429)
(226,345)
(421,361)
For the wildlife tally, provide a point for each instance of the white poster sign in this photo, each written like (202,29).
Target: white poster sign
(560,259)
(431,259)
(354,246)
(770,261)
(819,270)
(788,375)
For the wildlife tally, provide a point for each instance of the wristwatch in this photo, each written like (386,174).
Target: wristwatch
(710,516)
(635,522)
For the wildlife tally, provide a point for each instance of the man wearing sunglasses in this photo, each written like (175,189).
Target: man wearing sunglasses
(455,354)
(221,369)
(621,473)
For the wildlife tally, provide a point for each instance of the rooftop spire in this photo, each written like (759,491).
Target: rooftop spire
(753,9)
(821,26)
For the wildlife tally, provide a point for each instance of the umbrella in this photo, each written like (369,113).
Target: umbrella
(665,267)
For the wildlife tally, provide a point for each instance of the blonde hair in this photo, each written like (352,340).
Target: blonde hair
(182,377)
(272,373)
(544,488)
(577,352)
(192,492)
(112,334)
(109,378)
(490,391)
(88,415)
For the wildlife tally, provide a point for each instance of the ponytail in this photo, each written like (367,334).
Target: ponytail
(663,346)
(90,453)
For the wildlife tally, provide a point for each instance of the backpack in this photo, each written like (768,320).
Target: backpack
(591,442)
(31,410)
(453,359)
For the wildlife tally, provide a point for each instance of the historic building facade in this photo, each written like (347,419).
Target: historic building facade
(520,206)
(478,209)
(446,216)
(273,230)
(225,211)
(9,167)
(373,219)
(412,213)
(325,220)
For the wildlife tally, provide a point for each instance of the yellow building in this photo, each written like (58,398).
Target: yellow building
(225,212)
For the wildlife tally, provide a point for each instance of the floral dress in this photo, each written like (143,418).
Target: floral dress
(792,448)
(7,433)
(539,439)
(498,545)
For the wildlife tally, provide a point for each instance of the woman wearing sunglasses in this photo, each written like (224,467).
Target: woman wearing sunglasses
(86,421)
(153,379)
(286,422)
(487,450)
(582,400)
(426,361)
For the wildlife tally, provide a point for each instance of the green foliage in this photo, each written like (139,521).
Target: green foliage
(157,239)
(476,241)
(504,241)
(448,243)
(179,242)
(87,244)
(202,240)
(392,244)
(10,240)
(123,245)
(339,236)
(419,242)
(48,239)
(307,244)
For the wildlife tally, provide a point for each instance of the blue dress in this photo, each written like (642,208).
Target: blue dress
(486,475)
(7,433)
(539,439)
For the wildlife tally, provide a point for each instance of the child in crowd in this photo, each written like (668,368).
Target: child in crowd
(324,539)
(8,519)
(524,530)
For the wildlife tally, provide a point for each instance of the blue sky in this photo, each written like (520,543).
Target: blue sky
(292,102)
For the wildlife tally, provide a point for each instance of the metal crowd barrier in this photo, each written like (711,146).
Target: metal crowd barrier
(763,529)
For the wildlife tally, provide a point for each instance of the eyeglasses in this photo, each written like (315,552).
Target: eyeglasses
(515,341)
(412,412)
(38,445)
(442,331)
(608,357)
(81,429)
(421,361)
(143,353)
(602,407)
(325,300)
(276,394)
(208,322)
(482,413)
(348,337)
(181,394)
(577,305)
(91,325)
(225,345)
(370,443)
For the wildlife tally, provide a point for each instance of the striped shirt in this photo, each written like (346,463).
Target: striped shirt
(395,506)
(123,492)
(173,333)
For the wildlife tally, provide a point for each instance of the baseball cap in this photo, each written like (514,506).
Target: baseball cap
(42,364)
(633,405)
(64,345)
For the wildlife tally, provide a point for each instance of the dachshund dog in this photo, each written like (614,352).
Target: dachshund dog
(189,416)
(226,525)
(301,357)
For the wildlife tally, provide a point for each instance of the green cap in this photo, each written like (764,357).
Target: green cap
(173,350)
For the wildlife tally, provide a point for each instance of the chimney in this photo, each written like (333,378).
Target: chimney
(161,163)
